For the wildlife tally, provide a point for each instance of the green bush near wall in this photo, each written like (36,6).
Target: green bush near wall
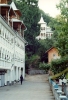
(66,75)
(59,75)
(44,66)
(59,65)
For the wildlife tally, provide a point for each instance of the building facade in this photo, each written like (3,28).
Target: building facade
(52,54)
(12,44)
(45,31)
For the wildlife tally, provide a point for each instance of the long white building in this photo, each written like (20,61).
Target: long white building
(12,44)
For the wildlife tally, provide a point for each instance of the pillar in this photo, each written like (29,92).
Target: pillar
(19,73)
(16,73)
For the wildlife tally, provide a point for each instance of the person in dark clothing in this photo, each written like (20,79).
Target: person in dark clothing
(21,79)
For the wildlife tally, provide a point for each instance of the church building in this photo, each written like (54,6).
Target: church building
(45,31)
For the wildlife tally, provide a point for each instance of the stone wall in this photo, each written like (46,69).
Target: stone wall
(35,71)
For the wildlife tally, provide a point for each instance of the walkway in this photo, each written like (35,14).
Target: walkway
(33,88)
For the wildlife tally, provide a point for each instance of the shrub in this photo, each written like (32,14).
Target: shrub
(66,75)
(44,66)
(59,65)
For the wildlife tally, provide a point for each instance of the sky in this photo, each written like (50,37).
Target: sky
(49,6)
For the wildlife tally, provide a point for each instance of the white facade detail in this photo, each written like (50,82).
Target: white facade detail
(12,54)
(45,31)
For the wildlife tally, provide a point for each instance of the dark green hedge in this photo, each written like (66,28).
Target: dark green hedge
(44,66)
(59,64)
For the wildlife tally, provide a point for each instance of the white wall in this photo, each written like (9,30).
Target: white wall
(12,53)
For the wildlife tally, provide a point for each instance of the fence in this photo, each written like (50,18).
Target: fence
(60,92)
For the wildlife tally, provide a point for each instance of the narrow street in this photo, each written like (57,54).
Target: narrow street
(34,87)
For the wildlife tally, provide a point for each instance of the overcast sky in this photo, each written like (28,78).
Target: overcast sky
(49,6)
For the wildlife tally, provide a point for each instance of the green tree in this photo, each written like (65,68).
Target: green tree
(30,15)
(62,28)
(44,46)
(53,24)
(46,17)
(63,7)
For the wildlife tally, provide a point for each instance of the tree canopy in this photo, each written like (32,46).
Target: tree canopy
(31,15)
(62,30)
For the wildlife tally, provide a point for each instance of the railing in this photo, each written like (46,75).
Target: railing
(15,32)
(17,62)
(57,91)
(5,64)
(5,42)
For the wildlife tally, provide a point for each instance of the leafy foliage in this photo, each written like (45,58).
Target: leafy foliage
(31,15)
(46,17)
(62,41)
(44,46)
(33,62)
(60,27)
(59,64)
(60,75)
(44,66)
(63,6)
(66,75)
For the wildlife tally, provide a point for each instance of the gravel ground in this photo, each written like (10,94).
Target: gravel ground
(35,87)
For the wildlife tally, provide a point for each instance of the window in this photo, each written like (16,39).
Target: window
(46,35)
(42,28)
(41,34)
(54,55)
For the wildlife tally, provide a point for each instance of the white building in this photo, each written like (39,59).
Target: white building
(12,44)
(45,31)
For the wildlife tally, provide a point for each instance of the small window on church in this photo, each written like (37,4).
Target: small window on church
(54,55)
(44,34)
(42,28)
(41,34)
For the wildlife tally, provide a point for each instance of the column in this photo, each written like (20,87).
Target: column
(5,78)
(16,73)
(13,73)
(23,72)
(10,76)
(19,73)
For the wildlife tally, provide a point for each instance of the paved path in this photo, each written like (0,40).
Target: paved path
(33,88)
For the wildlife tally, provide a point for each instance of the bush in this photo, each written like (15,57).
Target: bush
(66,76)
(60,75)
(44,66)
(59,65)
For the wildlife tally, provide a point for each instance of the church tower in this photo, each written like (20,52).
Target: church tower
(45,31)
(42,28)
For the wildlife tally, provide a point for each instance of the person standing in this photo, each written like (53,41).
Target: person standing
(21,79)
